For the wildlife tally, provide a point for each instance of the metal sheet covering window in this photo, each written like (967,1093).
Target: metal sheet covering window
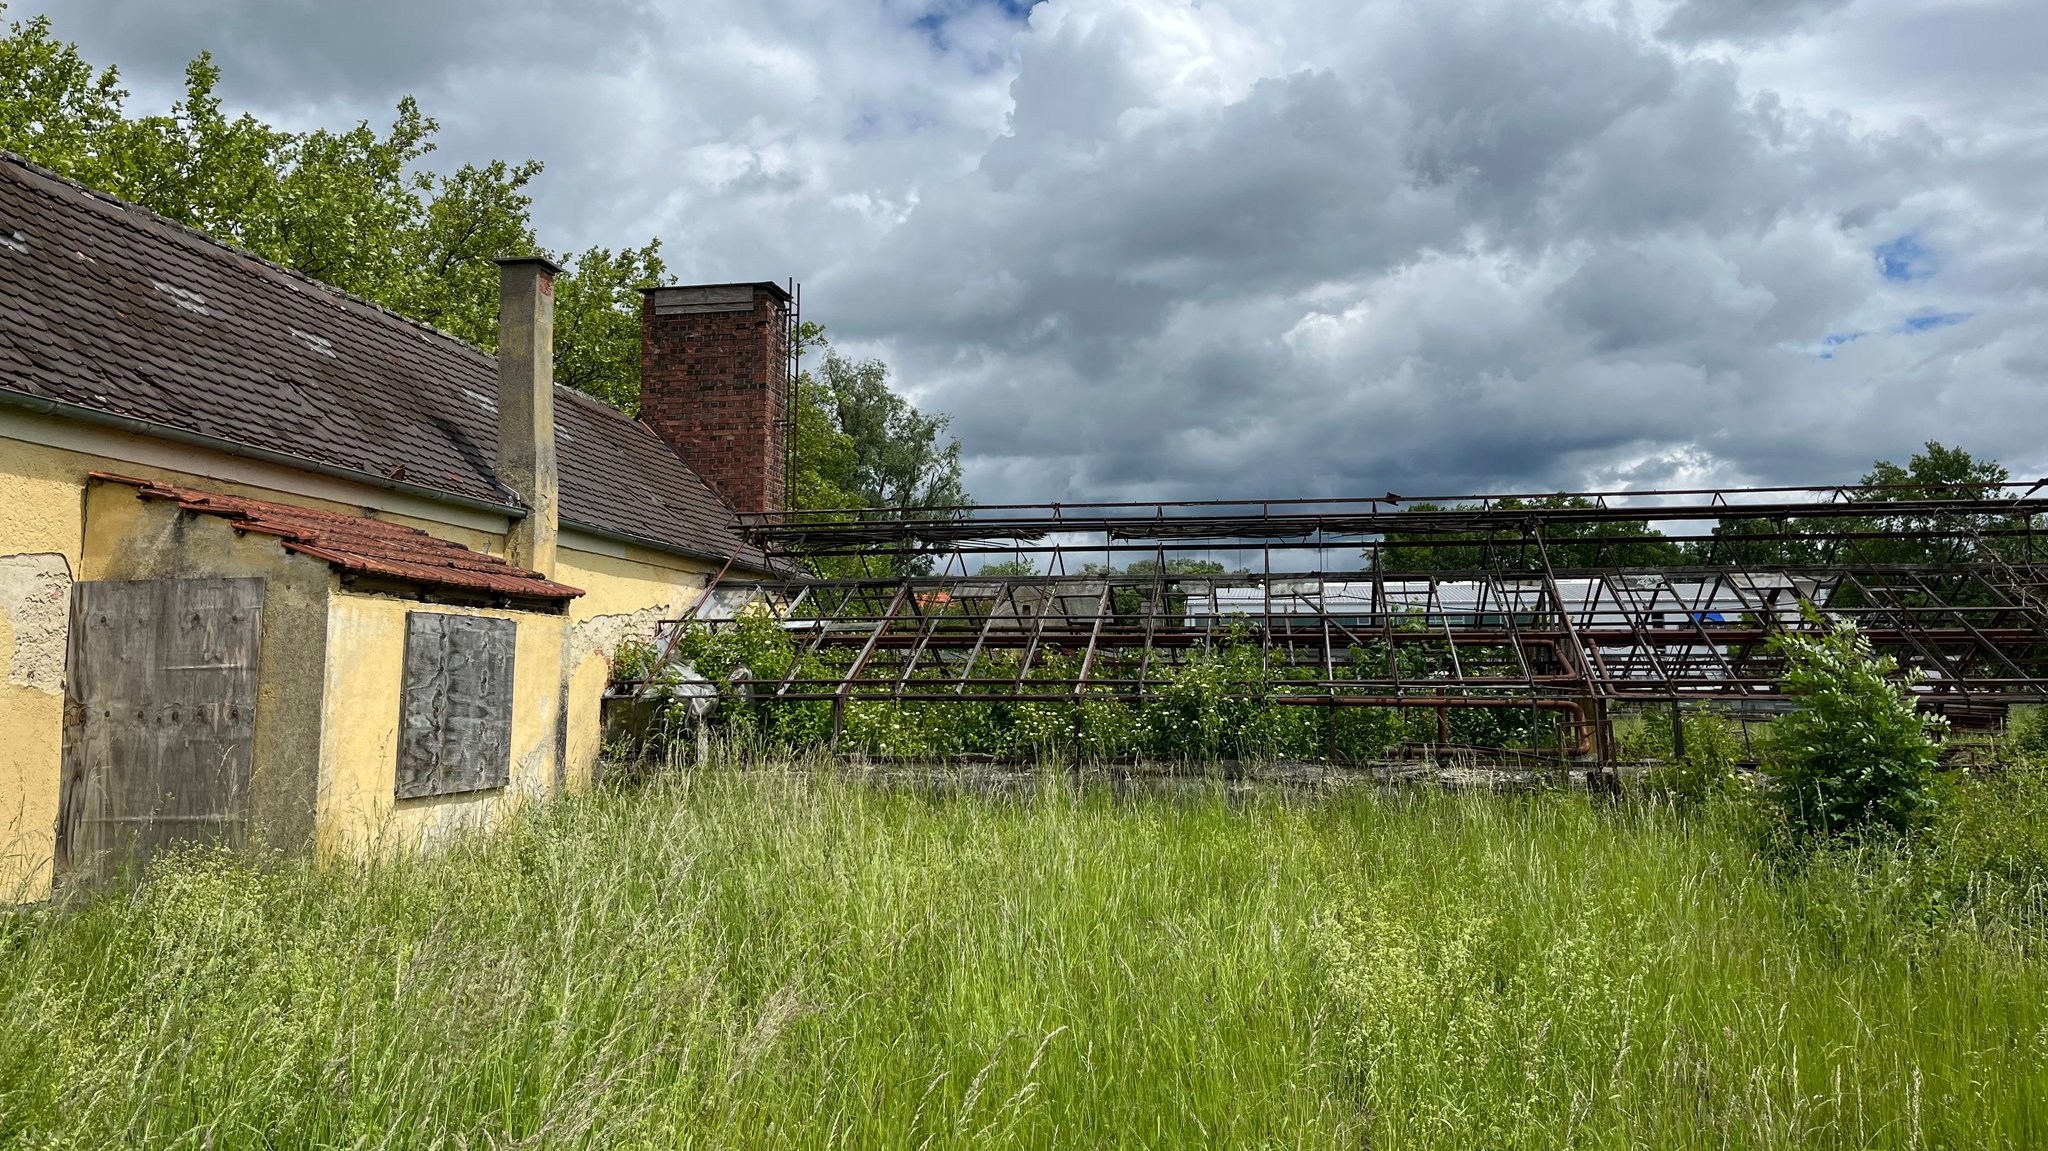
(455,706)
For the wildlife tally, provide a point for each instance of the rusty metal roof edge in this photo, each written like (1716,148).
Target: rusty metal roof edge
(85,413)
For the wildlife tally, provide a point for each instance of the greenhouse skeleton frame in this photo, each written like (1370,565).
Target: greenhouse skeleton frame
(1537,615)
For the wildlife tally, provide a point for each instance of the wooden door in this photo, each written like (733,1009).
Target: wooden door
(159,719)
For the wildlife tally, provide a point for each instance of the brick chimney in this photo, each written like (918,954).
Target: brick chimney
(714,384)
(526,407)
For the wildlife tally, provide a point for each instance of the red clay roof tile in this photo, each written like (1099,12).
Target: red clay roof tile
(361,544)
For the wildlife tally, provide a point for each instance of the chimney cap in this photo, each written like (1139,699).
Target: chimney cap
(553,268)
(771,285)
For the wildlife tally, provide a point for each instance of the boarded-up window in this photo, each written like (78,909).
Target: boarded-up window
(455,709)
(159,719)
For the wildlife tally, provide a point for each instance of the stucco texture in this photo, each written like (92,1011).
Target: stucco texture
(325,754)
(130,538)
(359,812)
(41,539)
(624,597)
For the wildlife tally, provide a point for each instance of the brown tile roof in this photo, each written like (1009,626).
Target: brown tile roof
(360,544)
(108,306)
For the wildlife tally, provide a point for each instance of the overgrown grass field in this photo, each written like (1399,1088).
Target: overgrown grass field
(773,958)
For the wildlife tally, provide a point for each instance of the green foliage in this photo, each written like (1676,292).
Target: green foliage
(1631,543)
(1857,753)
(860,445)
(758,642)
(634,660)
(2026,736)
(1219,701)
(772,958)
(1708,770)
(355,208)
(597,322)
(898,458)
(1936,473)
(1989,846)
(54,106)
(1939,472)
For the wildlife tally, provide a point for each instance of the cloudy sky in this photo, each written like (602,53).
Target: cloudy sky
(1154,248)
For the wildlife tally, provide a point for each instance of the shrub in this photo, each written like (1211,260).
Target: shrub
(1857,753)
(634,660)
(1992,838)
(1707,770)
(1217,700)
(2026,736)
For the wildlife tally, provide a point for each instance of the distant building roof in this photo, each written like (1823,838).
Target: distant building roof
(360,544)
(108,306)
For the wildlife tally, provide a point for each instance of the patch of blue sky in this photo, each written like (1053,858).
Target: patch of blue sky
(943,12)
(1833,340)
(1929,320)
(1904,259)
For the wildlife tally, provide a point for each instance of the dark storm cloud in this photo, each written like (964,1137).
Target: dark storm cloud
(1154,248)
(1492,246)
(1696,20)
(289,52)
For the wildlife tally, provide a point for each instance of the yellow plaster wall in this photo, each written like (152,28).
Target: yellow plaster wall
(358,812)
(130,538)
(41,540)
(43,522)
(624,596)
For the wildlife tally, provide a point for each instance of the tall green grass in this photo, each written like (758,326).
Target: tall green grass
(781,959)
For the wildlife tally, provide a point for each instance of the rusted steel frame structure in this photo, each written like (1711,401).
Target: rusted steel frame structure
(1547,618)
(1800,514)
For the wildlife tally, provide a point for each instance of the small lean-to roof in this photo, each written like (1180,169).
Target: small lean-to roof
(361,545)
(109,307)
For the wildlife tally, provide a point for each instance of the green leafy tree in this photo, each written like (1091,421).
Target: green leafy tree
(1623,543)
(1938,472)
(1857,753)
(900,457)
(860,448)
(54,107)
(824,453)
(471,218)
(597,322)
(355,208)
